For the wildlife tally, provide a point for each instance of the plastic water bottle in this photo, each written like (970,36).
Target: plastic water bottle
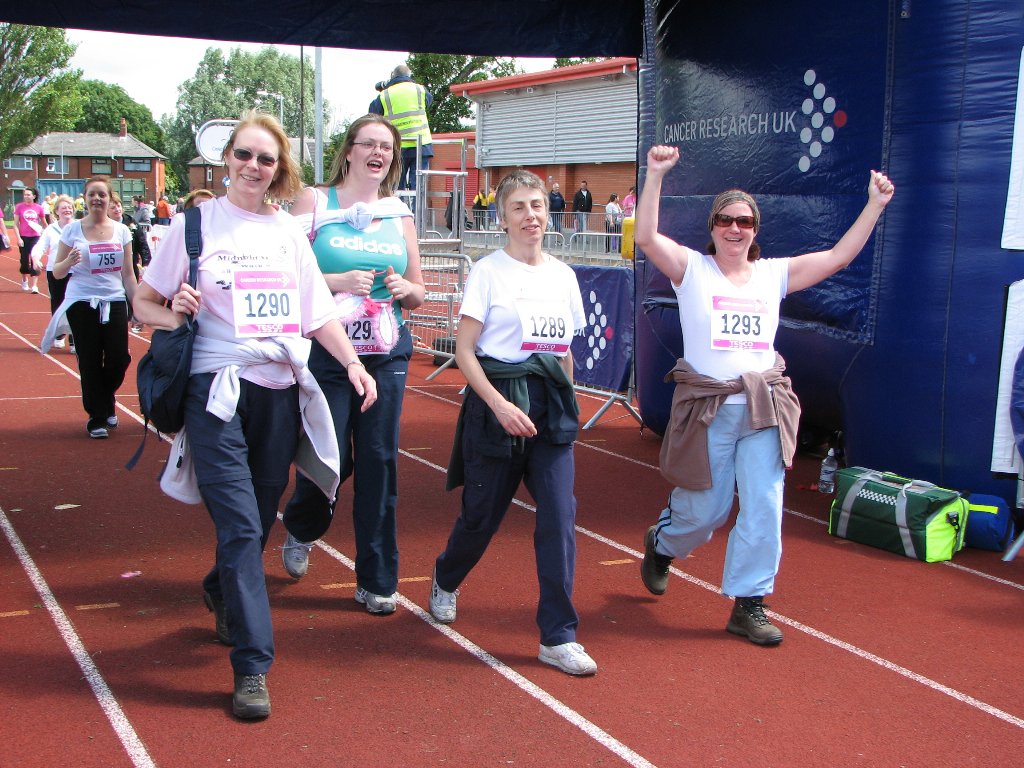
(827,478)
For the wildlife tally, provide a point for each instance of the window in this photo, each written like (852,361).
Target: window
(57,165)
(137,164)
(101,166)
(18,163)
(209,174)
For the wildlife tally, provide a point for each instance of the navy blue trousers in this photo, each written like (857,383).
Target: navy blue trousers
(368,444)
(243,468)
(548,471)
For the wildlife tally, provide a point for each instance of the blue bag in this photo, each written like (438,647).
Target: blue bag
(989,522)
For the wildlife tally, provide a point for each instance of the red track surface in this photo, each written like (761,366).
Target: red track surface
(886,661)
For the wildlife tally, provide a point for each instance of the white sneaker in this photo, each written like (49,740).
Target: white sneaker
(568,657)
(58,343)
(295,556)
(442,604)
(112,422)
(35,289)
(380,605)
(24,285)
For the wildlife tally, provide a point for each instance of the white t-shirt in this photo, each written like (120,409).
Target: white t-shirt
(98,274)
(47,244)
(729,330)
(243,249)
(524,309)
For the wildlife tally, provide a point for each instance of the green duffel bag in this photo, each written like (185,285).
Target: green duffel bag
(908,517)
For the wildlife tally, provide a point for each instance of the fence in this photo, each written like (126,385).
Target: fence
(434,322)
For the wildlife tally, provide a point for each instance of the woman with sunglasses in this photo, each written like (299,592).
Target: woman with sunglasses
(365,244)
(97,253)
(734,414)
(250,396)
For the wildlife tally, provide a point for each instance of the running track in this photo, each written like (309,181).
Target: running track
(107,656)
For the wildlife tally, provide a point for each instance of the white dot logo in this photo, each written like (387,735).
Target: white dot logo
(598,333)
(824,119)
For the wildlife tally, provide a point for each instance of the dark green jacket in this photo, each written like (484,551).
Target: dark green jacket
(509,379)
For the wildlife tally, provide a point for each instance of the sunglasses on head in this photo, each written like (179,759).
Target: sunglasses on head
(245,156)
(724,220)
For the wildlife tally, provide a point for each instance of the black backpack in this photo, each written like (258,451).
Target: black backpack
(163,372)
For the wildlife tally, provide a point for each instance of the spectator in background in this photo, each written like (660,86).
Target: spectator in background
(404,104)
(582,204)
(492,211)
(629,203)
(612,223)
(163,211)
(29,221)
(556,204)
(480,209)
(79,207)
(142,215)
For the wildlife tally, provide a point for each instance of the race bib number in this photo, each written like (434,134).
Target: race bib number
(739,324)
(266,303)
(376,331)
(105,257)
(547,326)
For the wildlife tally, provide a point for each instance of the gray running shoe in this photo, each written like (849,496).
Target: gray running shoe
(295,556)
(379,605)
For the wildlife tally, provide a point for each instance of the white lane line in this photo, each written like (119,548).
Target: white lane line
(858,652)
(572,716)
(122,727)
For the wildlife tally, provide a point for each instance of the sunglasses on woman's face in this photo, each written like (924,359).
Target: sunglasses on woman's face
(245,156)
(743,222)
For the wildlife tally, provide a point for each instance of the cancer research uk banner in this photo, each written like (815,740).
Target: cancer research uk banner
(603,353)
(793,113)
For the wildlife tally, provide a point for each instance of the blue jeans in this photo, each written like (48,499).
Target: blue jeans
(748,460)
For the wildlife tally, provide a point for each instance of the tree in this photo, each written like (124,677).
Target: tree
(103,106)
(37,91)
(226,87)
(438,71)
(571,62)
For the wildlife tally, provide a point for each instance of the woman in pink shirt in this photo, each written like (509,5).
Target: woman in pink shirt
(29,222)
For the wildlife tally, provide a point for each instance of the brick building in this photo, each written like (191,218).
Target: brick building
(61,162)
(567,125)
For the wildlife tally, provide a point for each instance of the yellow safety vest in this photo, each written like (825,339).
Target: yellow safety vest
(405,107)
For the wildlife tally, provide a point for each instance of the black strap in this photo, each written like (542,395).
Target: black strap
(194,247)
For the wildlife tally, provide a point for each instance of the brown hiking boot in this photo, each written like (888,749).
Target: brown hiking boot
(654,568)
(748,619)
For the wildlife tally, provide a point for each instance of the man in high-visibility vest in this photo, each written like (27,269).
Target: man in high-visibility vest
(404,103)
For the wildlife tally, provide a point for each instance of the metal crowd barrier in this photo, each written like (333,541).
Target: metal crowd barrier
(433,323)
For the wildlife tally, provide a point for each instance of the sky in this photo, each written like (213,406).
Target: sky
(150,69)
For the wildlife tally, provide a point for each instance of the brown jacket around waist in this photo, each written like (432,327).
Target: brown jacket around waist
(684,451)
